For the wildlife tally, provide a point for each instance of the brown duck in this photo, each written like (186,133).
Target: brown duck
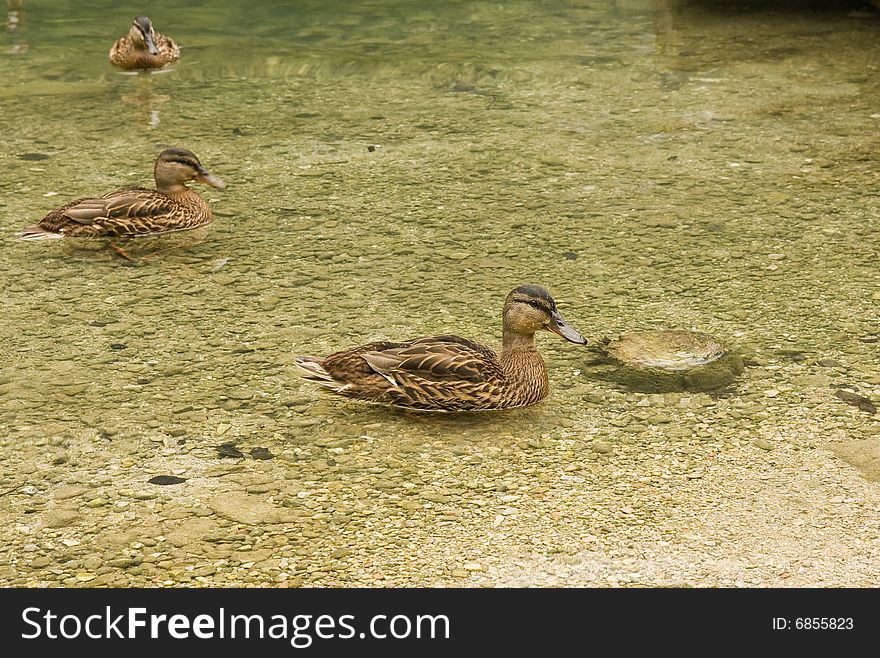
(143,48)
(450,373)
(172,206)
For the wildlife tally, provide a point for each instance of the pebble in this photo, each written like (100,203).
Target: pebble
(61,518)
(250,510)
(165,480)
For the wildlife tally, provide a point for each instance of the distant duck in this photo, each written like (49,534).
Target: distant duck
(134,211)
(143,48)
(450,373)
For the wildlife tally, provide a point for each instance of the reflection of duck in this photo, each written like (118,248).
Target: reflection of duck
(145,101)
(450,373)
(14,21)
(143,48)
(137,210)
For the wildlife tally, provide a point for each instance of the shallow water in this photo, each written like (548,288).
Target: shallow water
(394,170)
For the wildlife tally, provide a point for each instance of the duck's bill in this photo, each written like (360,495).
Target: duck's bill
(208,178)
(150,44)
(558,325)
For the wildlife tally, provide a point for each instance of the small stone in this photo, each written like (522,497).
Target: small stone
(857,400)
(125,562)
(85,577)
(229,450)
(222,428)
(250,510)
(602,447)
(762,444)
(166,480)
(473,566)
(60,518)
(261,453)
(92,563)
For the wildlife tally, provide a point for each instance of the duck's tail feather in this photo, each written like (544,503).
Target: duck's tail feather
(37,233)
(311,370)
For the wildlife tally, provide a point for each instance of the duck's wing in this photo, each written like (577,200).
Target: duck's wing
(440,372)
(438,359)
(135,202)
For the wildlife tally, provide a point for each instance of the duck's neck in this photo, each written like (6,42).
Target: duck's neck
(524,368)
(183,194)
(172,189)
(519,353)
(517,342)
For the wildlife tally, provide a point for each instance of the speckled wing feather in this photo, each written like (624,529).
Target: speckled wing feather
(438,358)
(130,202)
(439,372)
(129,211)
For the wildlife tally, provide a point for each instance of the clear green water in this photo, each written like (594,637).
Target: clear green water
(652,164)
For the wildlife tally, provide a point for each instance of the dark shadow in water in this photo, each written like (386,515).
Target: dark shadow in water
(699,34)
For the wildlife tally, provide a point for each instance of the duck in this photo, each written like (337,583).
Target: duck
(448,372)
(136,211)
(143,48)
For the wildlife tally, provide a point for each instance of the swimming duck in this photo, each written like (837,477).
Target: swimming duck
(447,372)
(136,210)
(143,48)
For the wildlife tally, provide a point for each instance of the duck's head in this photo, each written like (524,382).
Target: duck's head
(143,35)
(176,166)
(530,308)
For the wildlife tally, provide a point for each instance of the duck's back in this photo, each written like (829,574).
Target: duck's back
(444,372)
(126,212)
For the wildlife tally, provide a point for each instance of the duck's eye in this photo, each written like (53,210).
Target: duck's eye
(533,304)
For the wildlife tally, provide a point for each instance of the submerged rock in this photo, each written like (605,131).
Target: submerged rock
(662,361)
(165,480)
(857,400)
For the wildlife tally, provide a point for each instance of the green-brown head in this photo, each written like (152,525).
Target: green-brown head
(530,308)
(176,166)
